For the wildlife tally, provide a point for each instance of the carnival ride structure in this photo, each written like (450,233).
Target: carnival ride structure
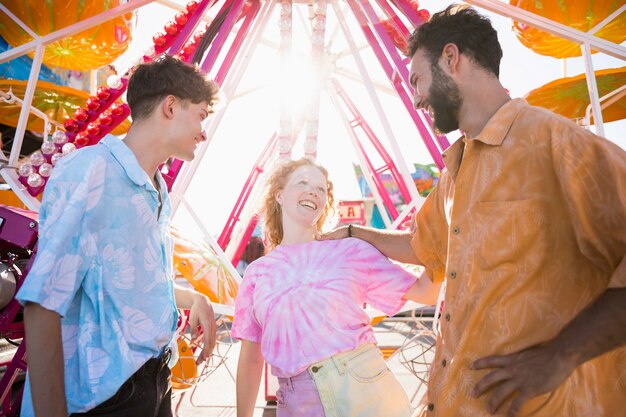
(221,36)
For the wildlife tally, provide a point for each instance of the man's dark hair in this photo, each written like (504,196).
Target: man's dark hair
(152,82)
(463,26)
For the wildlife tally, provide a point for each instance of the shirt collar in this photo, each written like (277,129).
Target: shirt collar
(127,159)
(500,123)
(452,156)
(493,133)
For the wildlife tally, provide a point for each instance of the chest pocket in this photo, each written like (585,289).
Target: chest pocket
(509,232)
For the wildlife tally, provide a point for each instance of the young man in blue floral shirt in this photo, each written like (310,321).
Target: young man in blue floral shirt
(100,301)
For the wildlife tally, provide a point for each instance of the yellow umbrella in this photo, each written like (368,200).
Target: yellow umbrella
(570,97)
(198,263)
(581,15)
(57,102)
(89,49)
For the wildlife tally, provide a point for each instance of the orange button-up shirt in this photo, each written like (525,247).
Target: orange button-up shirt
(528,227)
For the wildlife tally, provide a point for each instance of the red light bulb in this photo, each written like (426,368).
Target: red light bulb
(159,39)
(105,118)
(93,103)
(181,18)
(71,125)
(103,93)
(189,49)
(81,139)
(81,114)
(117,109)
(191,6)
(93,129)
(171,28)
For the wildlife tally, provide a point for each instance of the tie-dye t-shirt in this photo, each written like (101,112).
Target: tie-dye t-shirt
(304,302)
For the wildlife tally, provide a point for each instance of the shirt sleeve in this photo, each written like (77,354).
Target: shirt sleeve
(65,248)
(430,239)
(592,176)
(385,281)
(245,325)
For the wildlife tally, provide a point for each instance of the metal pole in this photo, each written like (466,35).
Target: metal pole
(592,87)
(368,175)
(73,29)
(552,27)
(367,81)
(26,103)
(230,85)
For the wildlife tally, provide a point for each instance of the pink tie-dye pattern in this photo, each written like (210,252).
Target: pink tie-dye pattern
(303,302)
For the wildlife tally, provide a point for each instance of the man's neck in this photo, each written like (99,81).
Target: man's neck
(143,143)
(480,102)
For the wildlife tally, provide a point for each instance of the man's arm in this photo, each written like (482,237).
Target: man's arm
(200,314)
(394,244)
(249,371)
(599,328)
(44,351)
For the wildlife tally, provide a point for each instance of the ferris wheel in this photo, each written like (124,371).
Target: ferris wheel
(348,54)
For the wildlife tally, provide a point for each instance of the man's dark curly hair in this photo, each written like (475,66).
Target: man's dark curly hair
(152,82)
(463,26)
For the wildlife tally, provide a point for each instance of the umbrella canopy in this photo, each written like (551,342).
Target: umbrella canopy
(582,15)
(19,68)
(57,102)
(570,97)
(89,49)
(200,265)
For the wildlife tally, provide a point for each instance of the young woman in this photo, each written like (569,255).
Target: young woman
(300,309)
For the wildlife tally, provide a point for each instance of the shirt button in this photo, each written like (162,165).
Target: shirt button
(315,368)
(444,363)
(453,274)
(447,316)
(431,407)
(456,230)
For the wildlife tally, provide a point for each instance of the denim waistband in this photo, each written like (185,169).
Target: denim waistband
(338,361)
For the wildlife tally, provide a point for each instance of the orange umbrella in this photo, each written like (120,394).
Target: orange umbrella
(582,15)
(570,97)
(57,102)
(89,49)
(200,265)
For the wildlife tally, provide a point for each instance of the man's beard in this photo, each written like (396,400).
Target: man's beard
(444,97)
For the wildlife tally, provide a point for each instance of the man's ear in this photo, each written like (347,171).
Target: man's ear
(167,106)
(450,57)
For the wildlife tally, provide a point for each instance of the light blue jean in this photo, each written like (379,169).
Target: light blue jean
(357,383)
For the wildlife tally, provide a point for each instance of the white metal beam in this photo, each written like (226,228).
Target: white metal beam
(240,65)
(72,29)
(21,24)
(552,27)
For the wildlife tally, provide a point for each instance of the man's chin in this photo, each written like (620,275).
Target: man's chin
(442,127)
(186,157)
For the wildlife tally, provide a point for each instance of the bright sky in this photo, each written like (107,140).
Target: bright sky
(253,114)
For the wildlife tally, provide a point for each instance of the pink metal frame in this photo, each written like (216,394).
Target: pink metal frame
(257,170)
(358,121)
(395,70)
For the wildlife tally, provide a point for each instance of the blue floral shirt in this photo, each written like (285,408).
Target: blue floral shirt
(104,263)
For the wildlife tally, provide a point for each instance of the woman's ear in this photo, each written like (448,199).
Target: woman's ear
(279,197)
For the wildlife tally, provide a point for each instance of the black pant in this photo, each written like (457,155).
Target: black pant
(148,393)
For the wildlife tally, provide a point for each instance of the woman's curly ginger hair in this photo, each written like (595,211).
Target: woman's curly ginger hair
(271,210)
